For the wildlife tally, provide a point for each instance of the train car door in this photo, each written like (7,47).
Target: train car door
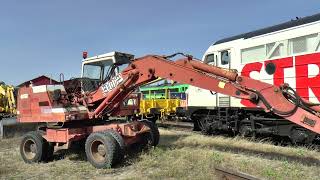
(223,61)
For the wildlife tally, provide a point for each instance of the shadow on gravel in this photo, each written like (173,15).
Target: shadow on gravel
(135,151)
(170,141)
(307,161)
(77,153)
(74,153)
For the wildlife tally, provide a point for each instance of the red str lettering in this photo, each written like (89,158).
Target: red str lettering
(246,70)
(302,80)
(280,64)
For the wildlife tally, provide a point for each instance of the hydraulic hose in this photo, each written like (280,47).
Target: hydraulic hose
(302,103)
(296,102)
(178,53)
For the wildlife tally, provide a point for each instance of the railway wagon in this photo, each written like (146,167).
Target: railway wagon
(283,53)
(163,101)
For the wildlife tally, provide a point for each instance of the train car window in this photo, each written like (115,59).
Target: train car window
(304,44)
(299,45)
(275,49)
(253,54)
(210,58)
(225,57)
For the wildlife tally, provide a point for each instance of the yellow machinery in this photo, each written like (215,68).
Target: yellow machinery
(9,127)
(162,102)
(7,100)
(8,124)
(161,107)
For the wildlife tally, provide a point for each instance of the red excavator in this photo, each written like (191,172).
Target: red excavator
(84,109)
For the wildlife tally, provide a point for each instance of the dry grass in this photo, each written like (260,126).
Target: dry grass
(180,155)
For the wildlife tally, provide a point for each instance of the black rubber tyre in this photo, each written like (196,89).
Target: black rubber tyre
(34,148)
(154,135)
(49,151)
(101,150)
(80,144)
(120,145)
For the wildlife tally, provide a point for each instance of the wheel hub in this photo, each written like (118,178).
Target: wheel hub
(98,151)
(30,149)
(33,148)
(101,150)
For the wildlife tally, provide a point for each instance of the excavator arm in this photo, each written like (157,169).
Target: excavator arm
(282,100)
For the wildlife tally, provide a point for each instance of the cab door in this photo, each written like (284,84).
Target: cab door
(223,61)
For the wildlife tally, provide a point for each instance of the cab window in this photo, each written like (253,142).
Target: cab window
(92,71)
(210,58)
(225,57)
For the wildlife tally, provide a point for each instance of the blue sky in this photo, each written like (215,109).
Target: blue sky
(48,37)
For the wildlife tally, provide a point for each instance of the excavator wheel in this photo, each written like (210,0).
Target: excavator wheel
(101,150)
(34,148)
(120,145)
(152,138)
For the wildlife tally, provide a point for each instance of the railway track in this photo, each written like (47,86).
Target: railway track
(186,126)
(228,174)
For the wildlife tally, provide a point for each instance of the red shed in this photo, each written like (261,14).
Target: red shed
(41,80)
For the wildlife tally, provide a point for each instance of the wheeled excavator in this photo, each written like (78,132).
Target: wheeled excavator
(83,109)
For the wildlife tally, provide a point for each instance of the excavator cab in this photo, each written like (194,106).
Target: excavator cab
(98,69)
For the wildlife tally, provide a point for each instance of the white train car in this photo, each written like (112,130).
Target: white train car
(284,53)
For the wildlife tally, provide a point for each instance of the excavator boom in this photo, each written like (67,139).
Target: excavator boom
(282,101)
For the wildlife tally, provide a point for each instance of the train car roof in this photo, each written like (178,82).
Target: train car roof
(163,86)
(289,24)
